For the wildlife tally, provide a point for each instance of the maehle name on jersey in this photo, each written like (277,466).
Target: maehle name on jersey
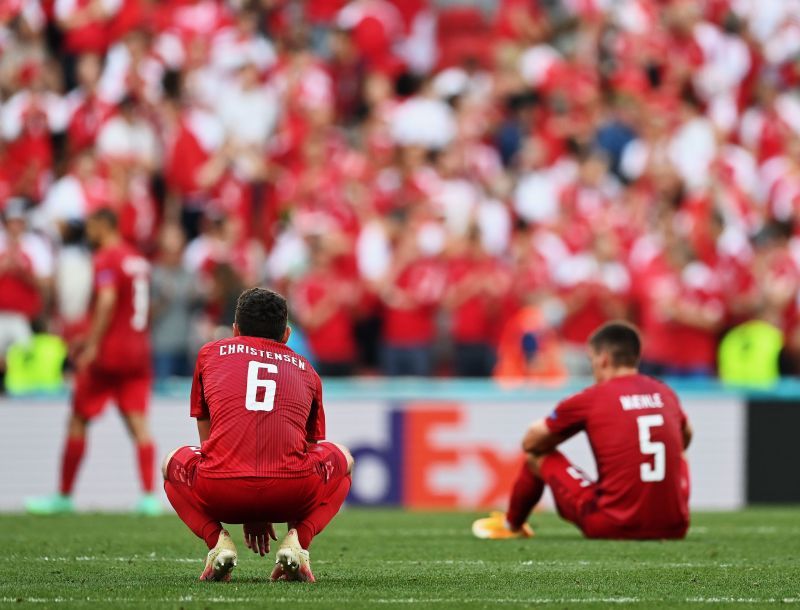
(230,350)
(641,401)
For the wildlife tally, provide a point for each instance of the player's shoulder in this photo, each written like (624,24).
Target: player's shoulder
(584,396)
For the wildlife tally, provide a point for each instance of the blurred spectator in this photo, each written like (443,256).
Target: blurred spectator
(476,286)
(173,293)
(529,350)
(411,295)
(26,269)
(595,289)
(682,313)
(323,302)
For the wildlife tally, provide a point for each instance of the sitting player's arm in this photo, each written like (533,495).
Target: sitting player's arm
(104,309)
(539,440)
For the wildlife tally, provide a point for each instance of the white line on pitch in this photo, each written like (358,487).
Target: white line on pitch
(413,562)
(406,600)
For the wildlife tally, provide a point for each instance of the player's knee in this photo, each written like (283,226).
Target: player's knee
(535,463)
(138,428)
(165,463)
(347,456)
(76,427)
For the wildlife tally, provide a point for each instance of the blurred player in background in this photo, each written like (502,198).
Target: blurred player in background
(262,459)
(638,433)
(113,363)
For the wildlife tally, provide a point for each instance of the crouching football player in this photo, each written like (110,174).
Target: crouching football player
(262,459)
(638,434)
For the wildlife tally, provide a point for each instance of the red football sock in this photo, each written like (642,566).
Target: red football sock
(71,460)
(200,523)
(145,454)
(323,514)
(526,493)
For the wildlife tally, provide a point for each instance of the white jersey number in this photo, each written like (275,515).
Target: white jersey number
(141,302)
(254,383)
(138,269)
(655,472)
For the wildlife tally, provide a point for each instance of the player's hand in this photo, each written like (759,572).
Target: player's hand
(86,356)
(257,535)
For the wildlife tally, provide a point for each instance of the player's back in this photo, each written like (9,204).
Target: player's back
(265,404)
(126,344)
(635,426)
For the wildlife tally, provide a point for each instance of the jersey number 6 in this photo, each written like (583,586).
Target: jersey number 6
(654,473)
(254,383)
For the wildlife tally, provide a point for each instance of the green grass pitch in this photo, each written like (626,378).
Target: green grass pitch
(395,559)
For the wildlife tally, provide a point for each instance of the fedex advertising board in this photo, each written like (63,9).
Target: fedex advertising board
(445,455)
(419,454)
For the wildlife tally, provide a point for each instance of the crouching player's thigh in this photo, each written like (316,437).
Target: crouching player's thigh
(575,494)
(336,458)
(180,466)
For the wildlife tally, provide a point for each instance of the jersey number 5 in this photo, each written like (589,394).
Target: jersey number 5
(254,384)
(654,473)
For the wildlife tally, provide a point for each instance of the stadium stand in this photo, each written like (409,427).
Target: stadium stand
(425,181)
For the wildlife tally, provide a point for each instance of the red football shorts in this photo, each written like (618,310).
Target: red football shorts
(95,389)
(576,497)
(245,499)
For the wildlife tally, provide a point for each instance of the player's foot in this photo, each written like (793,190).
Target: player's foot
(221,559)
(149,505)
(292,561)
(495,527)
(57,504)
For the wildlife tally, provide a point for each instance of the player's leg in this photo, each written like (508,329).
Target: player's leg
(179,470)
(336,467)
(89,398)
(525,495)
(133,396)
(573,491)
(337,464)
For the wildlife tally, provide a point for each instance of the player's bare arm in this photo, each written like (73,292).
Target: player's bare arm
(104,310)
(203,429)
(538,439)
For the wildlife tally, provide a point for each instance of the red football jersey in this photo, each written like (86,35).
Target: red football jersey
(265,406)
(635,427)
(125,347)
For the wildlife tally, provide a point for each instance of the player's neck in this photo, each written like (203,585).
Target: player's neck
(623,371)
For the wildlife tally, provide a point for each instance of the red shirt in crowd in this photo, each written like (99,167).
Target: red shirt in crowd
(635,427)
(474,320)
(265,406)
(125,347)
(332,340)
(422,282)
(19,292)
(671,342)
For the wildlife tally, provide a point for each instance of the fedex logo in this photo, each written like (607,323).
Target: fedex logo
(426,459)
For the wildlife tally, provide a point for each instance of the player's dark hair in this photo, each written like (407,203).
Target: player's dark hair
(107,216)
(621,340)
(261,312)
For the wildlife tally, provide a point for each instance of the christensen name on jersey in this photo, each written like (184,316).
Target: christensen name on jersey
(229,350)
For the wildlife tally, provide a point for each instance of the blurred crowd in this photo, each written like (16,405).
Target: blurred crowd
(439,187)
